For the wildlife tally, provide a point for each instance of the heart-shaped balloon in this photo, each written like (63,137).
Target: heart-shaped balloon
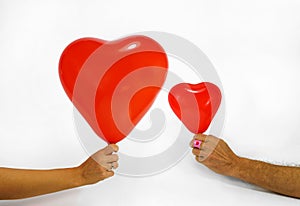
(195,104)
(113,83)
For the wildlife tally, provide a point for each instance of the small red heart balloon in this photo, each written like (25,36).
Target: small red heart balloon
(195,104)
(113,83)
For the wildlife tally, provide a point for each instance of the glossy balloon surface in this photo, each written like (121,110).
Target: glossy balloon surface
(195,104)
(113,83)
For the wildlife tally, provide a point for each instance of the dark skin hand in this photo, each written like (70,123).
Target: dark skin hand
(215,154)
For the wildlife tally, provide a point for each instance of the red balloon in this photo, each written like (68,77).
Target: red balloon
(113,83)
(195,104)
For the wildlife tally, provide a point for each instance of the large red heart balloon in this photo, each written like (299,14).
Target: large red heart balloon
(195,104)
(113,83)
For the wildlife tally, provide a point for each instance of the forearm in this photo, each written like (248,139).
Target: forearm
(19,183)
(280,179)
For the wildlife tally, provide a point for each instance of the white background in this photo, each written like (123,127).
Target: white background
(254,45)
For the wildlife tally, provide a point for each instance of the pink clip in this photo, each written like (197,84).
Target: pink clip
(197,143)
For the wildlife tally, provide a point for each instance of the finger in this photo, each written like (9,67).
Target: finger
(211,138)
(210,146)
(114,147)
(107,166)
(101,153)
(110,149)
(192,143)
(107,150)
(97,156)
(202,152)
(110,165)
(196,149)
(200,158)
(211,143)
(109,174)
(201,137)
(115,165)
(196,152)
(112,158)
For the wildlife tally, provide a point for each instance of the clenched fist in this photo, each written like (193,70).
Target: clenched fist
(215,154)
(99,166)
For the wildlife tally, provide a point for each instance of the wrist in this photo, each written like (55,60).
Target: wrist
(77,177)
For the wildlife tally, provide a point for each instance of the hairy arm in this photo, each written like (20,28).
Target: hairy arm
(22,183)
(215,154)
(280,179)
